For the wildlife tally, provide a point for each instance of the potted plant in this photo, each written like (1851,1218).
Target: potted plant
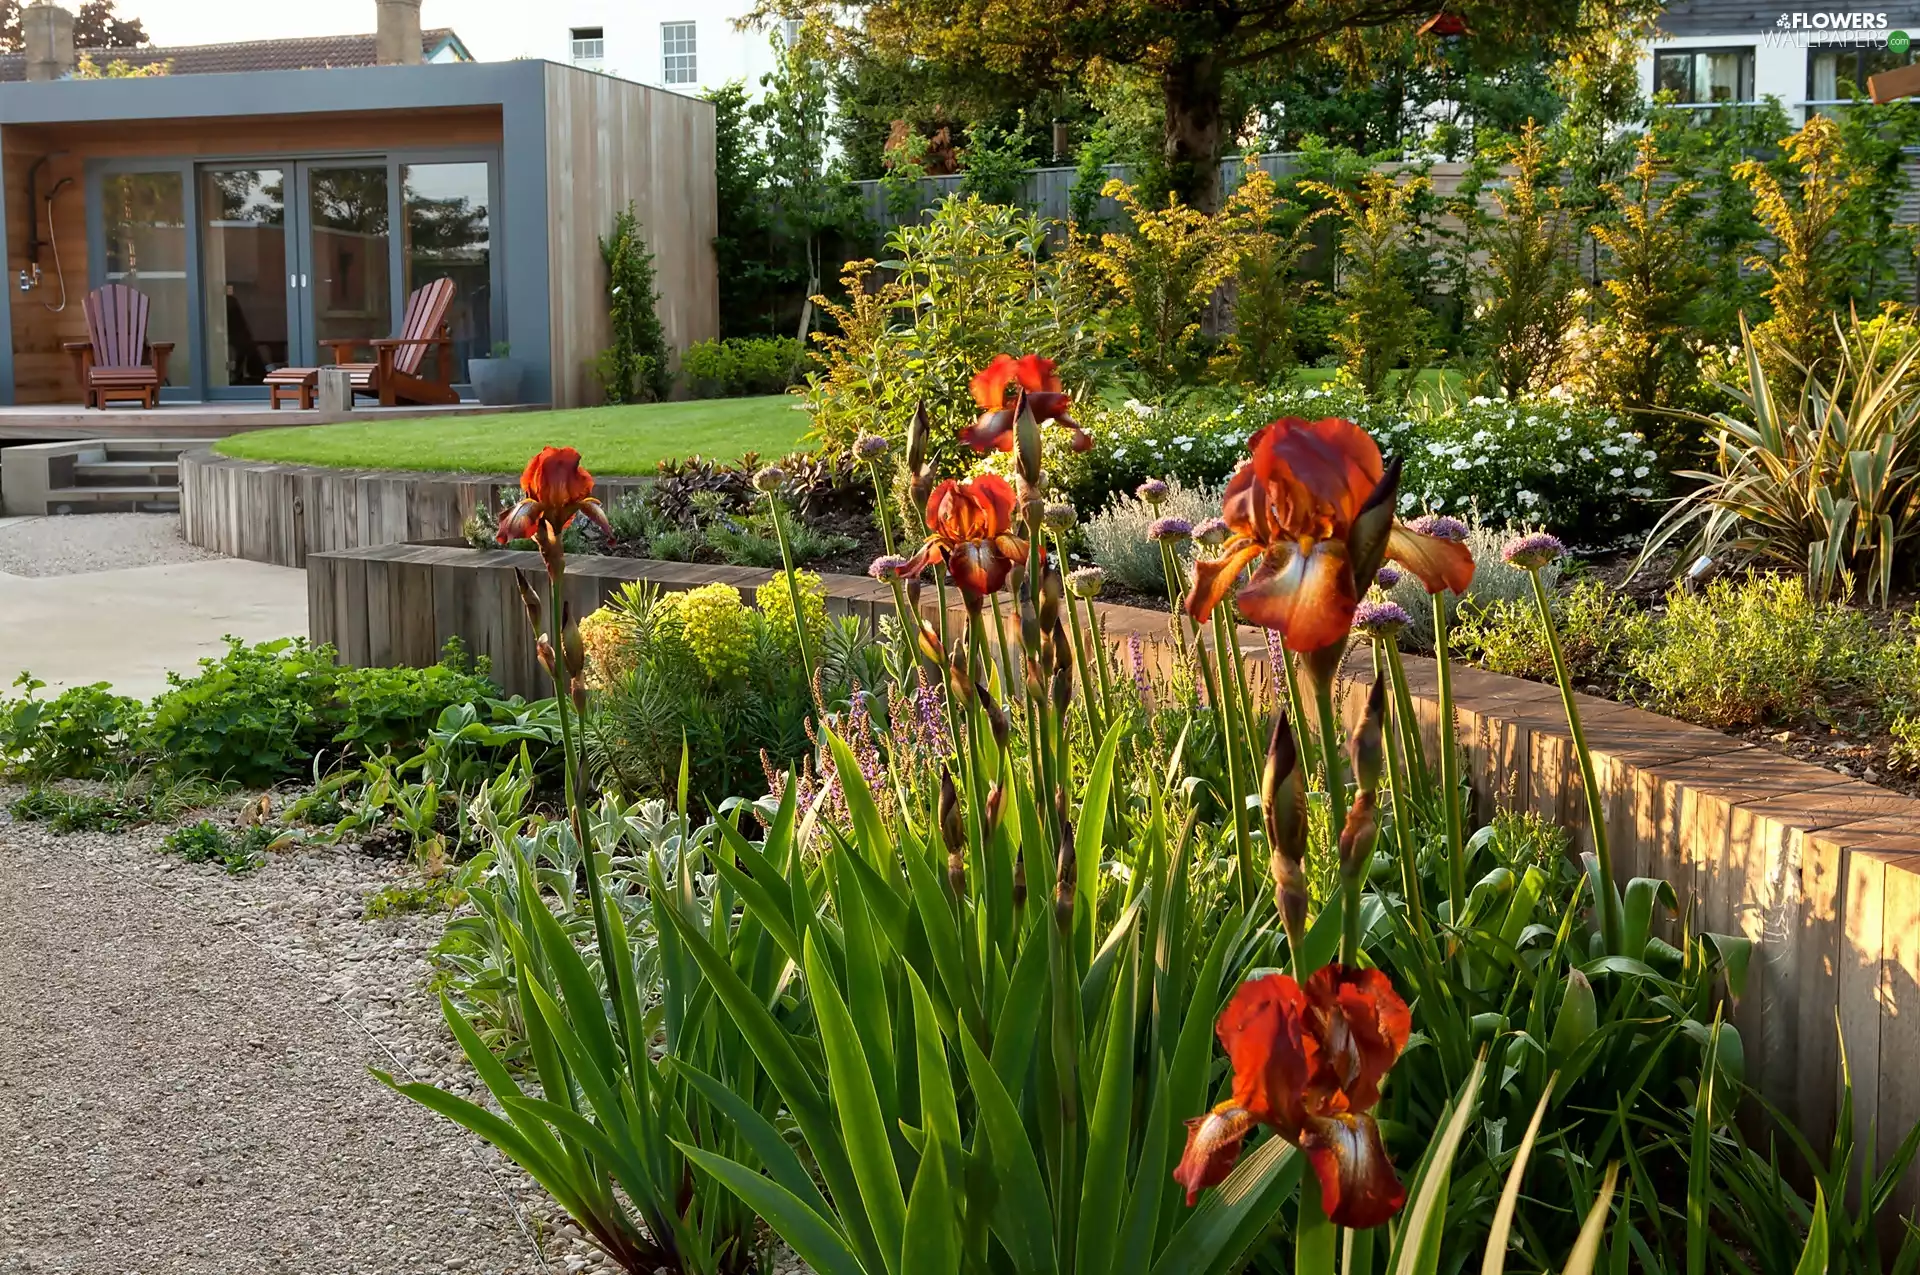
(496,380)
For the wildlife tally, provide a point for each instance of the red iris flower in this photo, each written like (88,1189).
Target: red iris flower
(553,489)
(1313,506)
(998,388)
(1307,1063)
(970,528)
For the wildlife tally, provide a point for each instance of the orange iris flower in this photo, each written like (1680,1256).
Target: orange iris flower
(1307,1063)
(998,388)
(1313,506)
(970,528)
(554,488)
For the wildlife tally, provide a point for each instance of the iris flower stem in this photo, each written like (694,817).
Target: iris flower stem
(1099,655)
(1008,689)
(1405,850)
(1297,712)
(793,592)
(1450,767)
(1335,779)
(1232,733)
(611,961)
(1080,652)
(1416,756)
(880,507)
(1610,926)
(1172,574)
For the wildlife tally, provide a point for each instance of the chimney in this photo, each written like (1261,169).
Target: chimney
(47,31)
(396,40)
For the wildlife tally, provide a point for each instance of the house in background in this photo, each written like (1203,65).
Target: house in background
(272,195)
(1805,53)
(689,46)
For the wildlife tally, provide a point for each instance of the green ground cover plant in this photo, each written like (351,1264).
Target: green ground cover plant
(615,440)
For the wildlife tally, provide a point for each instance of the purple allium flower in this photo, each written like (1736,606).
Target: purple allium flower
(1174,530)
(770,479)
(1533,550)
(871,447)
(1060,517)
(1086,581)
(1212,532)
(886,567)
(1380,619)
(1439,526)
(1153,491)
(1387,576)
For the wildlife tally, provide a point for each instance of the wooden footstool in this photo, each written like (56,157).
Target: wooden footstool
(293,383)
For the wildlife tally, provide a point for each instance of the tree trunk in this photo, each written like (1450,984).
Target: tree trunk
(1192,85)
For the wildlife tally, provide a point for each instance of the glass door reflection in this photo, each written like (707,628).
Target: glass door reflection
(350,297)
(145,219)
(244,273)
(449,234)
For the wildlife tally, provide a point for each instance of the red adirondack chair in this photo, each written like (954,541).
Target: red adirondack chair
(394,376)
(119,362)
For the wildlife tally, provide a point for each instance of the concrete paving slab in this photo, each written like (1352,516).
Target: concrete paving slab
(132,626)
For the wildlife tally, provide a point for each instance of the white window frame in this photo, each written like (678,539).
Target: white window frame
(589,48)
(679,53)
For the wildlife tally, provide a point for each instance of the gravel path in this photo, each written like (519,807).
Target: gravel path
(183,1075)
(81,543)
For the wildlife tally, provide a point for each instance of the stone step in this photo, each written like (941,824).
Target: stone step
(131,496)
(122,471)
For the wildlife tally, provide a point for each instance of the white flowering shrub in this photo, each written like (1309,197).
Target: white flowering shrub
(1548,461)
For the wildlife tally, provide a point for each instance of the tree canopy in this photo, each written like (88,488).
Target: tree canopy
(95,26)
(1192,49)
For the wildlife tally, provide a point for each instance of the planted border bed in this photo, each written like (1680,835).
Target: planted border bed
(1821,870)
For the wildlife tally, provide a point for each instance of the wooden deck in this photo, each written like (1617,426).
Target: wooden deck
(65,422)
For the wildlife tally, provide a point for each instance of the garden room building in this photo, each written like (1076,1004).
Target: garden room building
(265,213)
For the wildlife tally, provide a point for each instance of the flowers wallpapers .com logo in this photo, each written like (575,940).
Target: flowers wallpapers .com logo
(1857,28)
(1858,20)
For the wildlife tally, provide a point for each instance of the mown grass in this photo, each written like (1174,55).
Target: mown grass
(611,440)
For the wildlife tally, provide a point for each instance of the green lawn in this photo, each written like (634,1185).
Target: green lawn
(611,440)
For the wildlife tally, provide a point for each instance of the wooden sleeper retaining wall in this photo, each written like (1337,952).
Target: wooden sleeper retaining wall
(268,512)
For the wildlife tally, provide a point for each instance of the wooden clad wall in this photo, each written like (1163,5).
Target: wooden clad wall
(610,142)
(43,372)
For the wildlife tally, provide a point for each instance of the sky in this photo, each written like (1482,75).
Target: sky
(492,29)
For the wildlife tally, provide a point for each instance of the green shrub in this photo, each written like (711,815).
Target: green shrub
(75,735)
(1595,623)
(634,369)
(973,280)
(1744,652)
(741,366)
(1385,334)
(259,714)
(703,669)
